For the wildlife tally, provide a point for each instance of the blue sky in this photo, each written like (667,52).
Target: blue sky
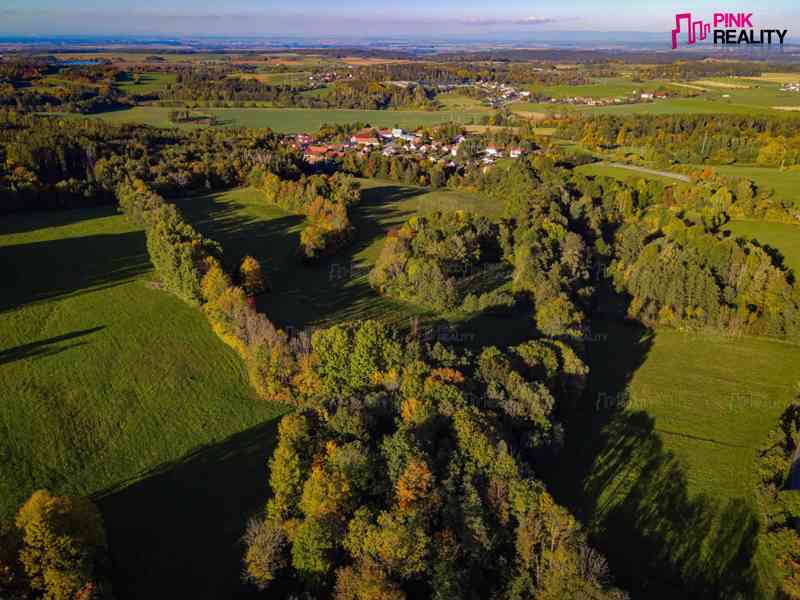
(360,18)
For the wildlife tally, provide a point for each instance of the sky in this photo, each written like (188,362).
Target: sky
(357,18)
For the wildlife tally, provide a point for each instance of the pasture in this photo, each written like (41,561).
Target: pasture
(660,459)
(294,120)
(114,389)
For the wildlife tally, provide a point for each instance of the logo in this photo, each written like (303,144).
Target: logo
(727,29)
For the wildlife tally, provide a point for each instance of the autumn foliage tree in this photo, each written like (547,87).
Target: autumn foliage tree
(251,276)
(55,549)
(406,473)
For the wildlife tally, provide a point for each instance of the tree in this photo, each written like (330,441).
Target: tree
(63,541)
(251,276)
(469,150)
(214,283)
(267,552)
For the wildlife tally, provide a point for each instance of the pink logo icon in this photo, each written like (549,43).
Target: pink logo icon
(694,29)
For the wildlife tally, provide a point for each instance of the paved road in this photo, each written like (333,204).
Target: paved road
(676,176)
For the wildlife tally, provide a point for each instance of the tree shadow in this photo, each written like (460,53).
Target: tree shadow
(661,541)
(23,222)
(43,271)
(175,531)
(44,347)
(303,295)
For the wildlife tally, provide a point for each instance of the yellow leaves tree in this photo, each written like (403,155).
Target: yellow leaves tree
(251,276)
(62,539)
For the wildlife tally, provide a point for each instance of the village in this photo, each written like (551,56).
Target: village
(396,142)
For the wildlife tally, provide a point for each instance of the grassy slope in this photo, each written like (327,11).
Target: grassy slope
(667,483)
(782,236)
(785,183)
(295,119)
(337,289)
(112,388)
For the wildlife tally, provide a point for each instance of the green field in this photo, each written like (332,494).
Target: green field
(293,120)
(786,184)
(337,289)
(667,484)
(785,238)
(602,88)
(622,173)
(116,389)
(149,83)
(460,102)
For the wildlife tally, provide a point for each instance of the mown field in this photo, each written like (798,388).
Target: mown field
(118,390)
(294,120)
(304,296)
(660,460)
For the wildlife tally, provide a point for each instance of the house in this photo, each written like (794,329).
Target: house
(516,152)
(646,96)
(661,94)
(491,150)
(365,139)
(385,134)
(398,132)
(314,154)
(303,138)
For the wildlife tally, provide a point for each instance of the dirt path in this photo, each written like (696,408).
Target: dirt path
(676,176)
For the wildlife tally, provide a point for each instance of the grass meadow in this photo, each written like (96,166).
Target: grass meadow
(660,460)
(785,184)
(783,237)
(120,391)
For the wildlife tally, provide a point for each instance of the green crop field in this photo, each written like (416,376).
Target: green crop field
(671,475)
(785,238)
(293,120)
(112,388)
(337,289)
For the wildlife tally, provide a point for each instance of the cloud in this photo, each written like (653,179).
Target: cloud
(490,21)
